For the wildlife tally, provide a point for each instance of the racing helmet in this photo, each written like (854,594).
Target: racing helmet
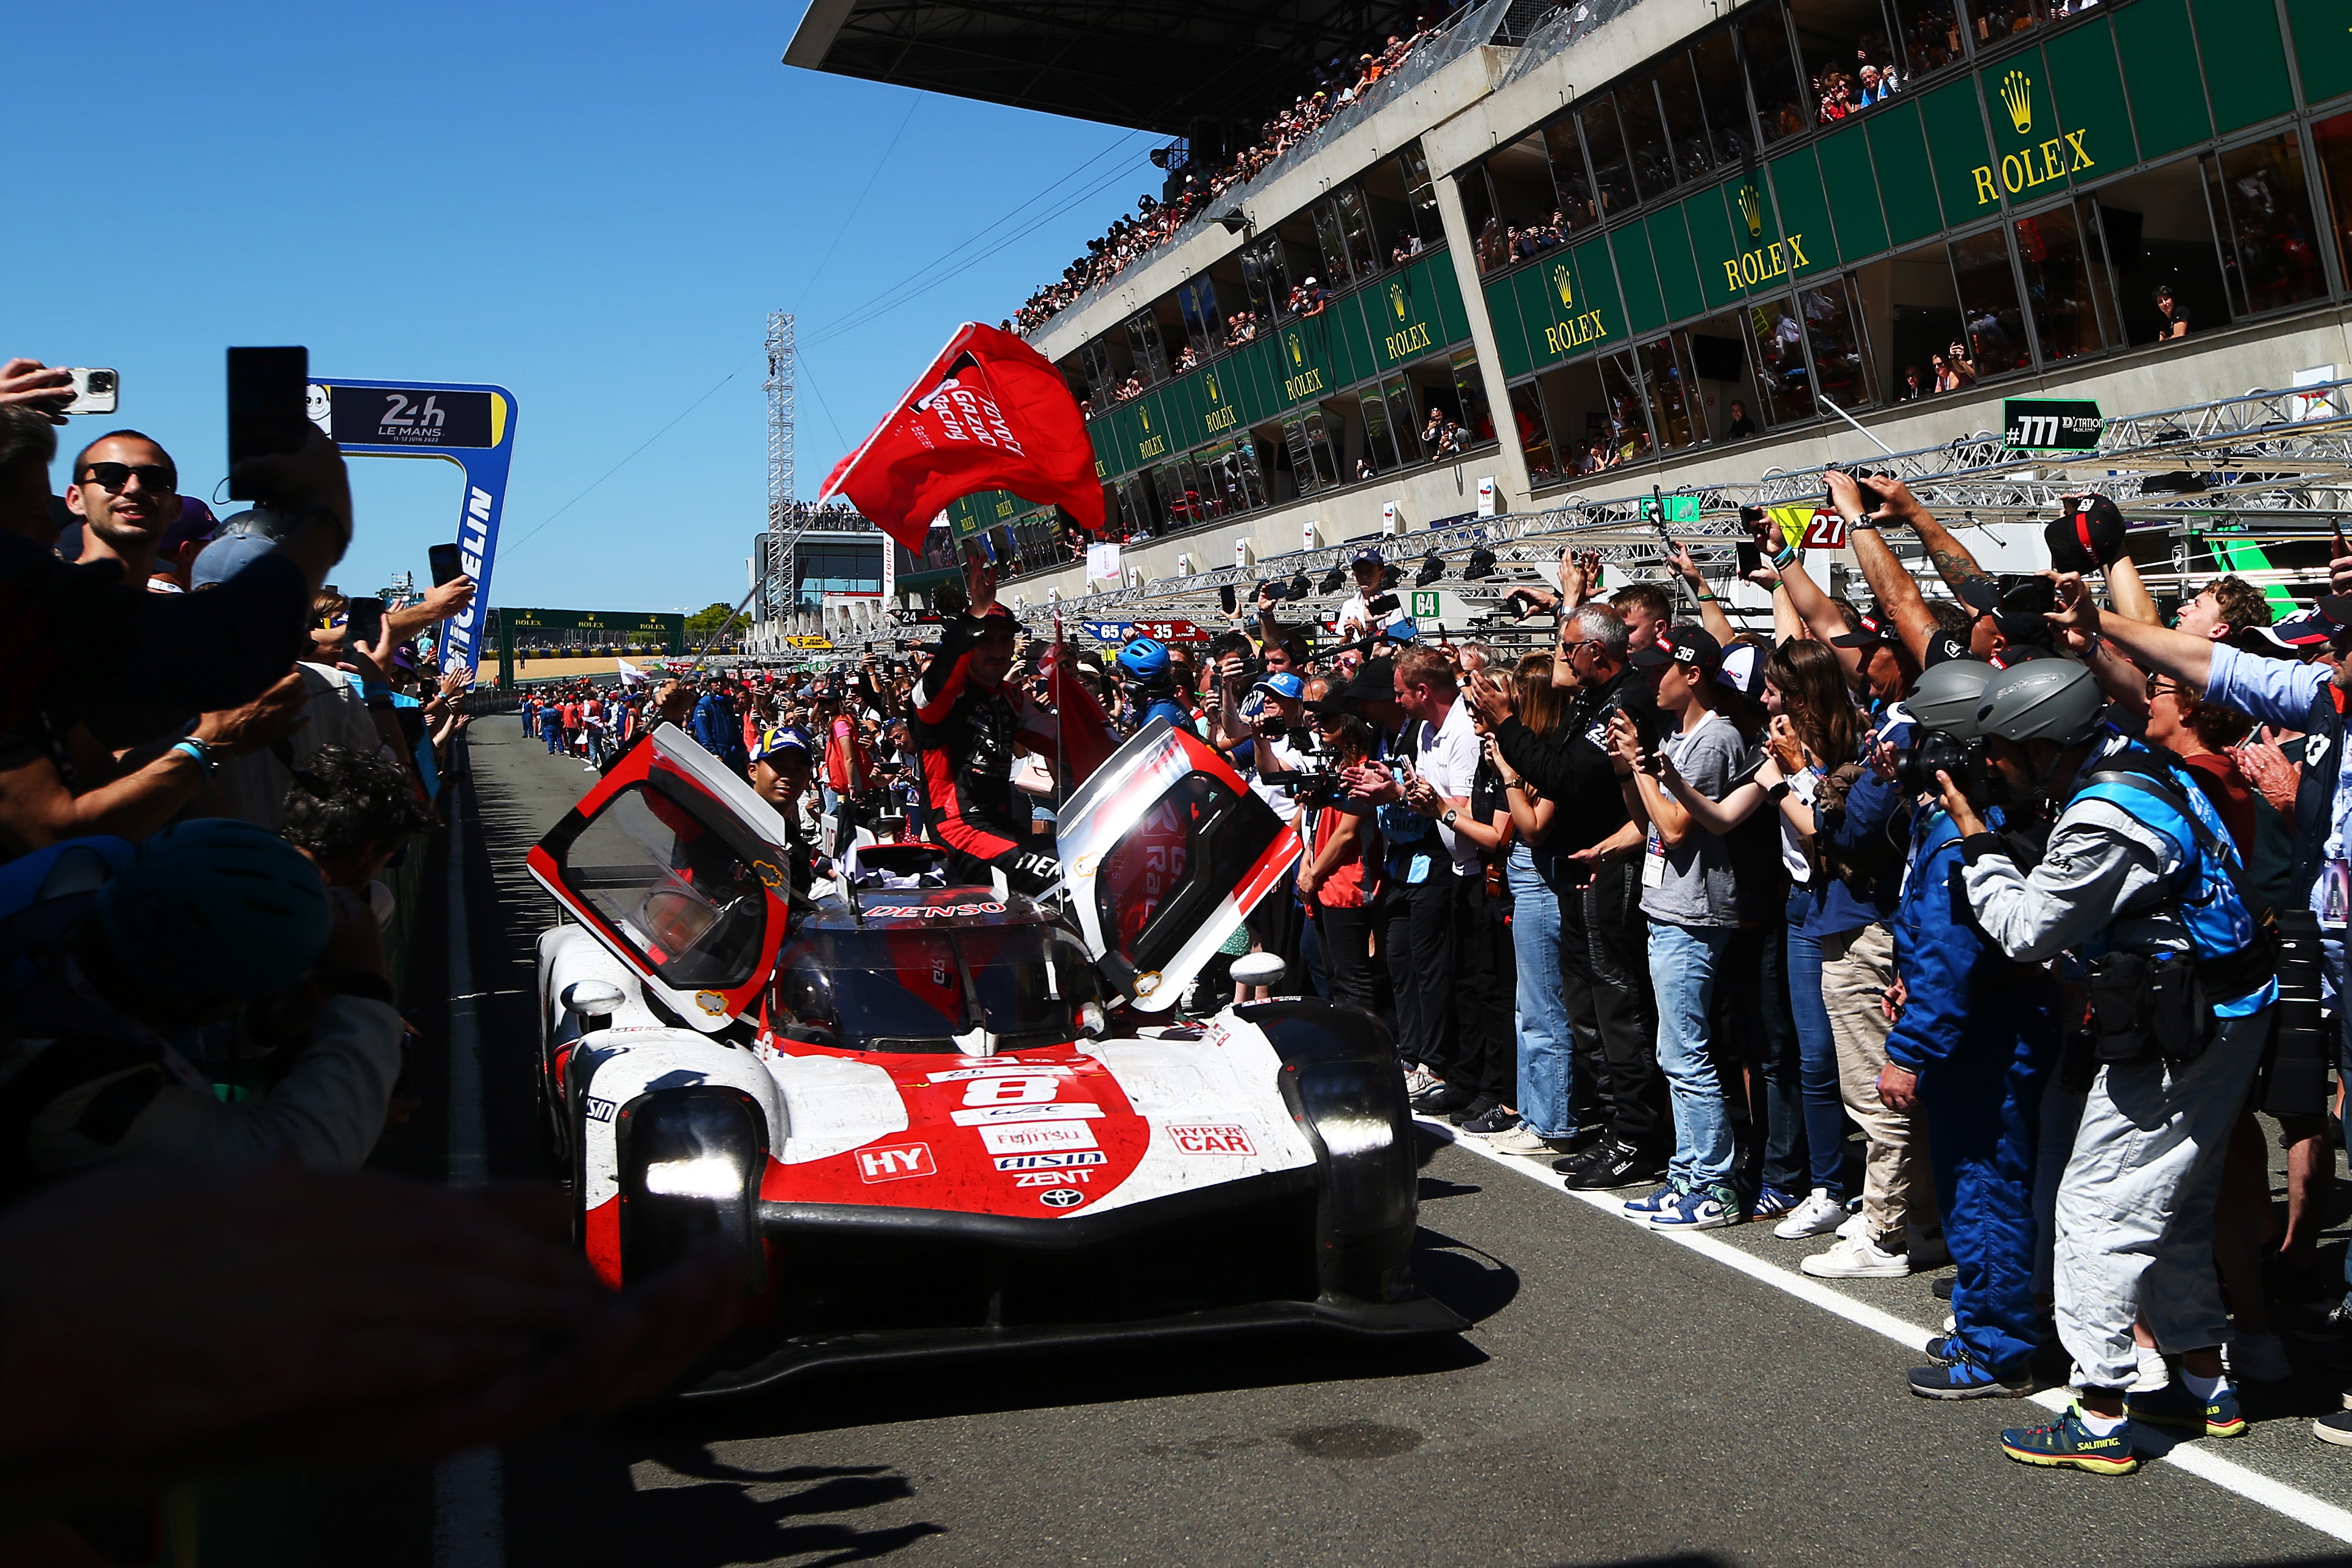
(216,905)
(2050,699)
(1145,660)
(1947,695)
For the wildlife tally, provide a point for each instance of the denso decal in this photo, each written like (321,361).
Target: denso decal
(599,1109)
(1051,1161)
(1031,1137)
(1211,1140)
(933,911)
(977,1115)
(896,1162)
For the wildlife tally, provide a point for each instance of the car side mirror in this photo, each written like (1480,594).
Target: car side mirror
(1258,969)
(591,1000)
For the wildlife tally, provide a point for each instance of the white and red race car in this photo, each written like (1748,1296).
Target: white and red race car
(941,1118)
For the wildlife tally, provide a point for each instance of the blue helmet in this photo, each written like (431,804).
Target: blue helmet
(1144,660)
(216,905)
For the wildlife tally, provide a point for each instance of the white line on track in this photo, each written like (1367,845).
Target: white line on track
(469,1527)
(2197,1458)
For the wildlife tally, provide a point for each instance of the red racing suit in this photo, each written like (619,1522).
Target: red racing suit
(965,734)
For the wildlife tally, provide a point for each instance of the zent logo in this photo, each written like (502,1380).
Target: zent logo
(1211,1140)
(1062,1198)
(896,1162)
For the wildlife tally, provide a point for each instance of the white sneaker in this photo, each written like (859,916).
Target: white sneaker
(1816,1216)
(1850,1227)
(1857,1258)
(1519,1140)
(1419,1080)
(2257,1358)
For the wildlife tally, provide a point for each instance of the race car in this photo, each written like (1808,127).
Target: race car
(945,1119)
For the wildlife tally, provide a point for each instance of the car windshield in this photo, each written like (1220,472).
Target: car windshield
(920,989)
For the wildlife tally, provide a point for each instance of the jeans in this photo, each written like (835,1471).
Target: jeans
(1751,1016)
(1817,1069)
(1547,1072)
(1683,961)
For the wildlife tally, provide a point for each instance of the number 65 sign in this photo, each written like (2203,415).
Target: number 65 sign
(462,423)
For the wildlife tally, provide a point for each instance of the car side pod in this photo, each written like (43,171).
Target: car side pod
(1340,1080)
(691,1161)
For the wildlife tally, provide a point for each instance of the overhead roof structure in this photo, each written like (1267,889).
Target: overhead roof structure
(1155,65)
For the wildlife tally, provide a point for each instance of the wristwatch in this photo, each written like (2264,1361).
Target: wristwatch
(1777,792)
(1447,820)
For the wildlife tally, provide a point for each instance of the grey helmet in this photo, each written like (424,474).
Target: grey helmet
(2053,699)
(1947,697)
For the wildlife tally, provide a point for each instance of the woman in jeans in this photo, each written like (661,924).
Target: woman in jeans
(1548,1124)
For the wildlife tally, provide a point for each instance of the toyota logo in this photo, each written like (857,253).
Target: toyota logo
(1060,1197)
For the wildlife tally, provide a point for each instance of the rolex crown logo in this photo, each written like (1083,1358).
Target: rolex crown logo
(1752,207)
(1560,282)
(1145,415)
(1211,381)
(2017,96)
(1396,300)
(1297,358)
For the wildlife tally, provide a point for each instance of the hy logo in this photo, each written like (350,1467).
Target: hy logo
(2017,96)
(1396,300)
(1562,286)
(1752,207)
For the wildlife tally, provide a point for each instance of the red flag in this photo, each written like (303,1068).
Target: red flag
(1087,736)
(989,413)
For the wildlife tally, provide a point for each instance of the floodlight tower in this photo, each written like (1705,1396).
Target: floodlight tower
(782,510)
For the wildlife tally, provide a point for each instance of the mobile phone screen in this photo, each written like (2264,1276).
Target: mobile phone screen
(445,563)
(265,414)
(1750,558)
(366,621)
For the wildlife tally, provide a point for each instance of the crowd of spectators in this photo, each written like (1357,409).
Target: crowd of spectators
(210,766)
(1155,221)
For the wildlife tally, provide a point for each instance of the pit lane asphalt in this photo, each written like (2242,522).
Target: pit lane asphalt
(1618,1399)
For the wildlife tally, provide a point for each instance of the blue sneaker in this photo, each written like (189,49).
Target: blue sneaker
(1701,1208)
(2174,1406)
(2067,1444)
(1771,1200)
(1657,1203)
(1946,1349)
(1960,1378)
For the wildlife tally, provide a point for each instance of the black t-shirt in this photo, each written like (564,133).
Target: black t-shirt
(1743,426)
(2177,320)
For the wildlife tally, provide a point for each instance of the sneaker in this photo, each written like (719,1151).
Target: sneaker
(1960,1378)
(1946,1348)
(1857,1257)
(1701,1208)
(2336,1428)
(1444,1099)
(2257,1358)
(1494,1124)
(1851,1225)
(1609,1166)
(1771,1200)
(2174,1406)
(1819,1213)
(1942,1288)
(1478,1110)
(1929,1251)
(1524,1141)
(1656,1203)
(2068,1443)
(1418,1082)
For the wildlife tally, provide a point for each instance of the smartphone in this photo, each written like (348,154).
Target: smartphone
(94,390)
(365,623)
(266,413)
(1384,604)
(1751,559)
(1226,601)
(446,564)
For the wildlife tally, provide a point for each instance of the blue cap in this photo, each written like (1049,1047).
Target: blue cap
(1368,552)
(781,738)
(1284,684)
(227,556)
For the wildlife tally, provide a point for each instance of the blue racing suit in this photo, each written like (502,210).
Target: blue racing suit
(1981,1032)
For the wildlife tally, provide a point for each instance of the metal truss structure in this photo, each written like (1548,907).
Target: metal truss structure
(2268,467)
(776,568)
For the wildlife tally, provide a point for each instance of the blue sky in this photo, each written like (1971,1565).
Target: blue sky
(593,204)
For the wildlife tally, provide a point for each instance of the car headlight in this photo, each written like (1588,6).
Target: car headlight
(691,1165)
(703,1176)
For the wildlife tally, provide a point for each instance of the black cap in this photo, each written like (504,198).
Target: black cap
(1375,682)
(1873,631)
(1943,646)
(1331,708)
(1684,645)
(2087,536)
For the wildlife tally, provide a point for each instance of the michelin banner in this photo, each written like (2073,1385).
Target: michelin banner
(469,424)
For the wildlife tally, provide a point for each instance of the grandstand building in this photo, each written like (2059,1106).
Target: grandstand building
(1587,250)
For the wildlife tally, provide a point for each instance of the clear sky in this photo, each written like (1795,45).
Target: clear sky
(594,204)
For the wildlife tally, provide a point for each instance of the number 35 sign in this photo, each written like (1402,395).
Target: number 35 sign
(470,425)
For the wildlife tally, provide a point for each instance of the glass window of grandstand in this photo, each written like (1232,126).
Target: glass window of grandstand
(1722,98)
(1233,479)
(1772,81)
(1722,392)
(1688,142)
(1397,392)
(1095,367)
(1380,453)
(2069,289)
(1143,347)
(1526,218)
(1135,504)
(1928,33)
(1306,263)
(1994,341)
(1846,53)
(2159,232)
(1994,20)
(1265,276)
(1477,420)
(1204,330)
(1834,335)
(1571,183)
(2272,250)
(1343,417)
(1913,314)
(1587,431)
(1645,134)
(1604,145)
(1784,383)
(1675,411)
(2331,139)
(1626,429)
(1402,205)
(1534,433)
(1307,438)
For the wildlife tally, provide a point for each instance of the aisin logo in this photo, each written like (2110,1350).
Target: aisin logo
(1752,207)
(2017,96)
(1560,282)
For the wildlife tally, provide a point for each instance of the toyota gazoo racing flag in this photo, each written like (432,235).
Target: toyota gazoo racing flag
(991,412)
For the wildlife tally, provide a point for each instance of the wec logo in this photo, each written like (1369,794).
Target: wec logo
(896,1163)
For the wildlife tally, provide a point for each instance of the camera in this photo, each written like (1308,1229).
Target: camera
(1915,766)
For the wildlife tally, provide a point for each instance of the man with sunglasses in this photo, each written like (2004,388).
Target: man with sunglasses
(126,490)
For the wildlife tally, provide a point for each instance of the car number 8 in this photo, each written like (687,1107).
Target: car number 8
(1010,1091)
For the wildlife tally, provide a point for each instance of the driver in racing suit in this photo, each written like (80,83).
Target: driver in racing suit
(966,721)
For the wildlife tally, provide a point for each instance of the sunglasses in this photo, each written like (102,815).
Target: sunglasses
(114,476)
